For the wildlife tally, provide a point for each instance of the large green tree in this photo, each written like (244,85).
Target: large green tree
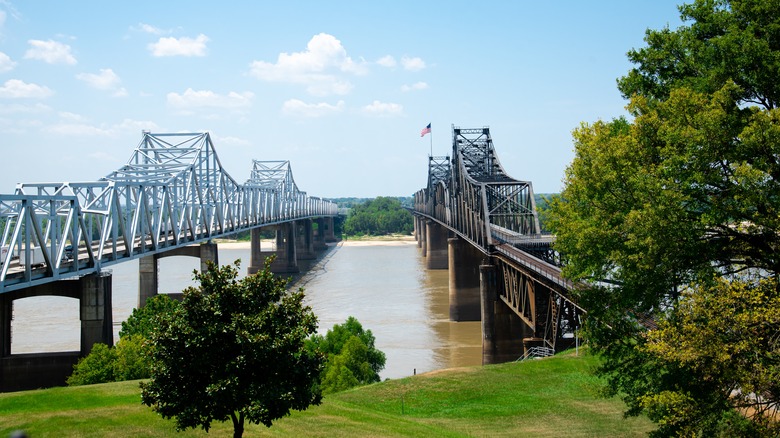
(234,349)
(684,194)
(352,357)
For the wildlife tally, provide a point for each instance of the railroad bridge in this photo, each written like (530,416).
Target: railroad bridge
(480,223)
(171,198)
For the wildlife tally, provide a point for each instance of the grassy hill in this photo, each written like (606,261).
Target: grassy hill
(550,397)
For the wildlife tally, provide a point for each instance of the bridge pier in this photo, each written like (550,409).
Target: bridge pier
(95,311)
(148,267)
(502,329)
(328,229)
(423,242)
(319,235)
(305,240)
(286,261)
(30,371)
(464,274)
(436,243)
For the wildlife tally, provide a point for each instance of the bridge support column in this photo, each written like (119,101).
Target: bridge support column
(6,316)
(208,253)
(420,232)
(256,257)
(464,273)
(95,311)
(286,258)
(148,278)
(423,244)
(319,235)
(148,267)
(329,229)
(502,329)
(437,245)
(305,240)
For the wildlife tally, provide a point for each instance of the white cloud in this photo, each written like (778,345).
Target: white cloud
(316,67)
(387,61)
(50,51)
(232,141)
(18,108)
(72,117)
(180,46)
(16,89)
(295,107)
(106,80)
(78,129)
(192,99)
(148,28)
(377,108)
(412,64)
(414,87)
(74,125)
(6,64)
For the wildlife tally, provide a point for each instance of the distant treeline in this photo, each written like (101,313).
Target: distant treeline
(376,217)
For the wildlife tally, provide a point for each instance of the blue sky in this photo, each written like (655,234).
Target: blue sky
(339,88)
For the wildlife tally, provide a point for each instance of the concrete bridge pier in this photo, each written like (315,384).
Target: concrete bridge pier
(436,244)
(419,232)
(305,240)
(464,273)
(423,244)
(502,329)
(38,370)
(95,311)
(319,235)
(286,261)
(148,267)
(328,229)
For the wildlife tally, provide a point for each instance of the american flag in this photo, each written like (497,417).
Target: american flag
(426,130)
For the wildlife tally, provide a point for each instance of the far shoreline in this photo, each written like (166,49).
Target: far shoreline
(392,240)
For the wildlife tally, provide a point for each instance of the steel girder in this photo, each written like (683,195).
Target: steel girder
(497,213)
(486,205)
(173,191)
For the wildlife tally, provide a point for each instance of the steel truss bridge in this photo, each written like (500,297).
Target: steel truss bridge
(172,192)
(472,196)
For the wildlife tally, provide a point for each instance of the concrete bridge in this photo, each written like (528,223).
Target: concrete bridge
(171,198)
(482,224)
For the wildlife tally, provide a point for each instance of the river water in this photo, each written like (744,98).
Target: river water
(386,287)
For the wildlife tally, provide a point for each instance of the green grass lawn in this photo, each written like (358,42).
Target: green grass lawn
(551,397)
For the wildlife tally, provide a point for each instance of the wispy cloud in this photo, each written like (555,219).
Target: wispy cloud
(50,51)
(18,89)
(412,64)
(414,87)
(387,61)
(106,80)
(6,64)
(383,109)
(295,107)
(170,46)
(192,99)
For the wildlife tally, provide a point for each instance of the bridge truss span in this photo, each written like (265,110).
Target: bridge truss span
(172,192)
(474,198)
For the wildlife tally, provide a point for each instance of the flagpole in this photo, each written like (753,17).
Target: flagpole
(431,141)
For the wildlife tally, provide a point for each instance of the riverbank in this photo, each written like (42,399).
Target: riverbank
(269,244)
(556,396)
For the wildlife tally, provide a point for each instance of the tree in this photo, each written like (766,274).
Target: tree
(142,321)
(234,349)
(379,216)
(727,338)
(682,196)
(352,358)
(96,367)
(127,359)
